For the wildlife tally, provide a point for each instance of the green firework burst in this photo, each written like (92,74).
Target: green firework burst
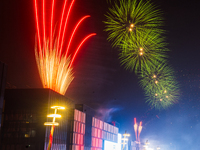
(143,52)
(129,18)
(160,86)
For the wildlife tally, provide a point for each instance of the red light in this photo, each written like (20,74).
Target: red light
(61,21)
(62,39)
(44,30)
(38,29)
(74,32)
(54,64)
(51,30)
(79,48)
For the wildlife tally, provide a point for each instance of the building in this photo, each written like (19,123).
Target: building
(23,120)
(3,70)
(26,111)
(96,131)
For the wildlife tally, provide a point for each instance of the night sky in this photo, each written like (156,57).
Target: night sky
(102,83)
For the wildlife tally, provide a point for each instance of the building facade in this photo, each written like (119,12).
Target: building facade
(26,111)
(24,116)
(3,70)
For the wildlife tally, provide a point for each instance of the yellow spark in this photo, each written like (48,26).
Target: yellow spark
(141,53)
(156,82)
(130,29)
(154,76)
(141,49)
(131,25)
(165,91)
(54,71)
(156,94)
(167,96)
(161,100)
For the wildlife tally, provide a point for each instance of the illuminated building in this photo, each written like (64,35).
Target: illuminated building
(101,131)
(26,112)
(112,145)
(24,116)
(3,69)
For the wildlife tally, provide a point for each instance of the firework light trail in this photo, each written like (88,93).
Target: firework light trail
(53,57)
(138,130)
(135,128)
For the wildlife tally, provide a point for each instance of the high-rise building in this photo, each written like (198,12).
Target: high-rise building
(23,119)
(26,111)
(3,70)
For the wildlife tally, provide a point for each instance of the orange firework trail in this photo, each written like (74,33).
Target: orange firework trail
(52,55)
(135,128)
(138,130)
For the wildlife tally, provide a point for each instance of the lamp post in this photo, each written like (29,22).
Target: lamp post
(53,123)
(146,144)
(125,139)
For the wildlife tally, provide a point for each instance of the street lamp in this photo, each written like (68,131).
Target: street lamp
(126,135)
(146,145)
(53,123)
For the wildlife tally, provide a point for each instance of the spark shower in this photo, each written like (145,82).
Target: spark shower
(53,56)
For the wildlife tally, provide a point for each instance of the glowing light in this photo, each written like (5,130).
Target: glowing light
(54,115)
(74,32)
(55,64)
(80,47)
(125,139)
(167,88)
(108,145)
(141,49)
(57,107)
(130,29)
(138,130)
(65,25)
(51,124)
(141,53)
(156,82)
(135,128)
(51,30)
(161,100)
(131,25)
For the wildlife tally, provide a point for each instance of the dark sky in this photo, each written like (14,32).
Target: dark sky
(101,82)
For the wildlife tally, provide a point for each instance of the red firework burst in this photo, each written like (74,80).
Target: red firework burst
(52,55)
